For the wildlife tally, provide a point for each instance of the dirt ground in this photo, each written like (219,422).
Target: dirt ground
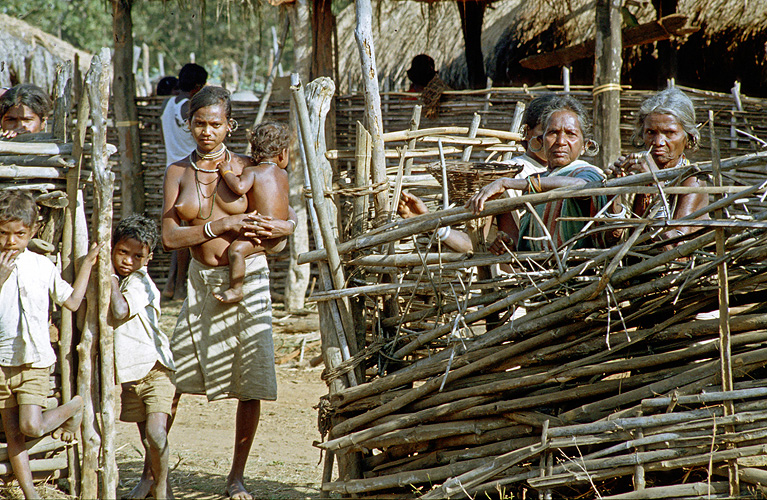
(283,464)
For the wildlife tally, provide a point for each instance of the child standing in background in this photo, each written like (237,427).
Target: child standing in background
(143,361)
(27,280)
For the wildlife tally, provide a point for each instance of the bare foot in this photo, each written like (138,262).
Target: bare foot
(68,430)
(141,490)
(230,296)
(236,490)
(167,495)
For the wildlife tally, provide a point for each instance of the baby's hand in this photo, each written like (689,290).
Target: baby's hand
(8,134)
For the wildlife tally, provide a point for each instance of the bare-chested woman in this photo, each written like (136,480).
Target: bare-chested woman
(224,350)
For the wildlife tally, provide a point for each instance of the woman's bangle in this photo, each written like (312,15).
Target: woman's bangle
(679,232)
(443,233)
(208,231)
(619,215)
(225,172)
(294,225)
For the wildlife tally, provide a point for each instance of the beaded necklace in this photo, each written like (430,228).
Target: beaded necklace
(215,155)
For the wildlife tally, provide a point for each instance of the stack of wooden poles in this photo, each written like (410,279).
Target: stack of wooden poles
(634,371)
(59,167)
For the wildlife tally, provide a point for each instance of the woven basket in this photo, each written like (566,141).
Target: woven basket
(466,178)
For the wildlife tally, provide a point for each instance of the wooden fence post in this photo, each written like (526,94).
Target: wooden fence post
(363,32)
(607,80)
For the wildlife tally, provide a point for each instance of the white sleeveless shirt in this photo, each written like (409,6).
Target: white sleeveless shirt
(178,140)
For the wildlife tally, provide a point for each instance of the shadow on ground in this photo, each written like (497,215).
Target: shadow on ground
(200,485)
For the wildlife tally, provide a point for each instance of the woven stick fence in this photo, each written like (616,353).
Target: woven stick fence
(600,375)
(59,168)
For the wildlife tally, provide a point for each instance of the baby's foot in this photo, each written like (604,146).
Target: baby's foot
(230,296)
(68,430)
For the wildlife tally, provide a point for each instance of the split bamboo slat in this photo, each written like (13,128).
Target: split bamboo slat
(603,376)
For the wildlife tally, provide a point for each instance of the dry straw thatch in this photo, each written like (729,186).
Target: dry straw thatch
(30,55)
(514,29)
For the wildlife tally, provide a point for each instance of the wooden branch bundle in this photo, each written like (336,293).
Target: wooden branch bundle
(618,369)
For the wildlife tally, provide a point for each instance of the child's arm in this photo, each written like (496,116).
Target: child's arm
(118,304)
(81,281)
(6,265)
(239,184)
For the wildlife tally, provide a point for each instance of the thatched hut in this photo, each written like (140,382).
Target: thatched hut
(728,45)
(30,55)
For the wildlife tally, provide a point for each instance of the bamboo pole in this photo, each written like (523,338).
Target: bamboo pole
(98,93)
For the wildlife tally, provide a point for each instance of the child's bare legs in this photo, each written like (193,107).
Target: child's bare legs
(155,438)
(17,451)
(63,420)
(238,250)
(145,485)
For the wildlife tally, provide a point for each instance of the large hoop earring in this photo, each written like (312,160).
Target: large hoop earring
(233,125)
(537,140)
(591,148)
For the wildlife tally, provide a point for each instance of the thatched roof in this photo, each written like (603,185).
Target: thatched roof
(514,29)
(30,55)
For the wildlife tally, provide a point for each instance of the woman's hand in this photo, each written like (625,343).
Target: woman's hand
(635,163)
(501,245)
(265,227)
(410,206)
(8,134)
(477,202)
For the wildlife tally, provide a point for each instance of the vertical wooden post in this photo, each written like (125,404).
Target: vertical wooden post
(103,180)
(62,92)
(607,80)
(363,32)
(126,114)
(415,122)
(725,345)
(516,124)
(69,257)
(361,179)
(86,349)
(297,280)
(472,13)
(273,74)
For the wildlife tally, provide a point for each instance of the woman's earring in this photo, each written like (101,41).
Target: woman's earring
(591,148)
(233,125)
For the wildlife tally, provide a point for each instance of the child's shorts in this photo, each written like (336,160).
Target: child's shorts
(22,385)
(152,394)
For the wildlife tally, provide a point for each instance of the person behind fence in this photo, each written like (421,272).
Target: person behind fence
(533,161)
(143,361)
(27,282)
(269,145)
(665,125)
(566,127)
(24,109)
(179,144)
(224,350)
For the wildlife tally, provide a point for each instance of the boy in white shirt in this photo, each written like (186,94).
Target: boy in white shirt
(27,280)
(143,360)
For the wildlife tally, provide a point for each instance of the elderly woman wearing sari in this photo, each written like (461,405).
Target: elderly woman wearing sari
(566,126)
(666,126)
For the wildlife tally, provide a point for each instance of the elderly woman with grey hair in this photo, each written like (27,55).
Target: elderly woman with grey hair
(565,138)
(666,126)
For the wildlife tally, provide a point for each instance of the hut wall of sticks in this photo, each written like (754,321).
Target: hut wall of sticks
(633,371)
(63,168)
